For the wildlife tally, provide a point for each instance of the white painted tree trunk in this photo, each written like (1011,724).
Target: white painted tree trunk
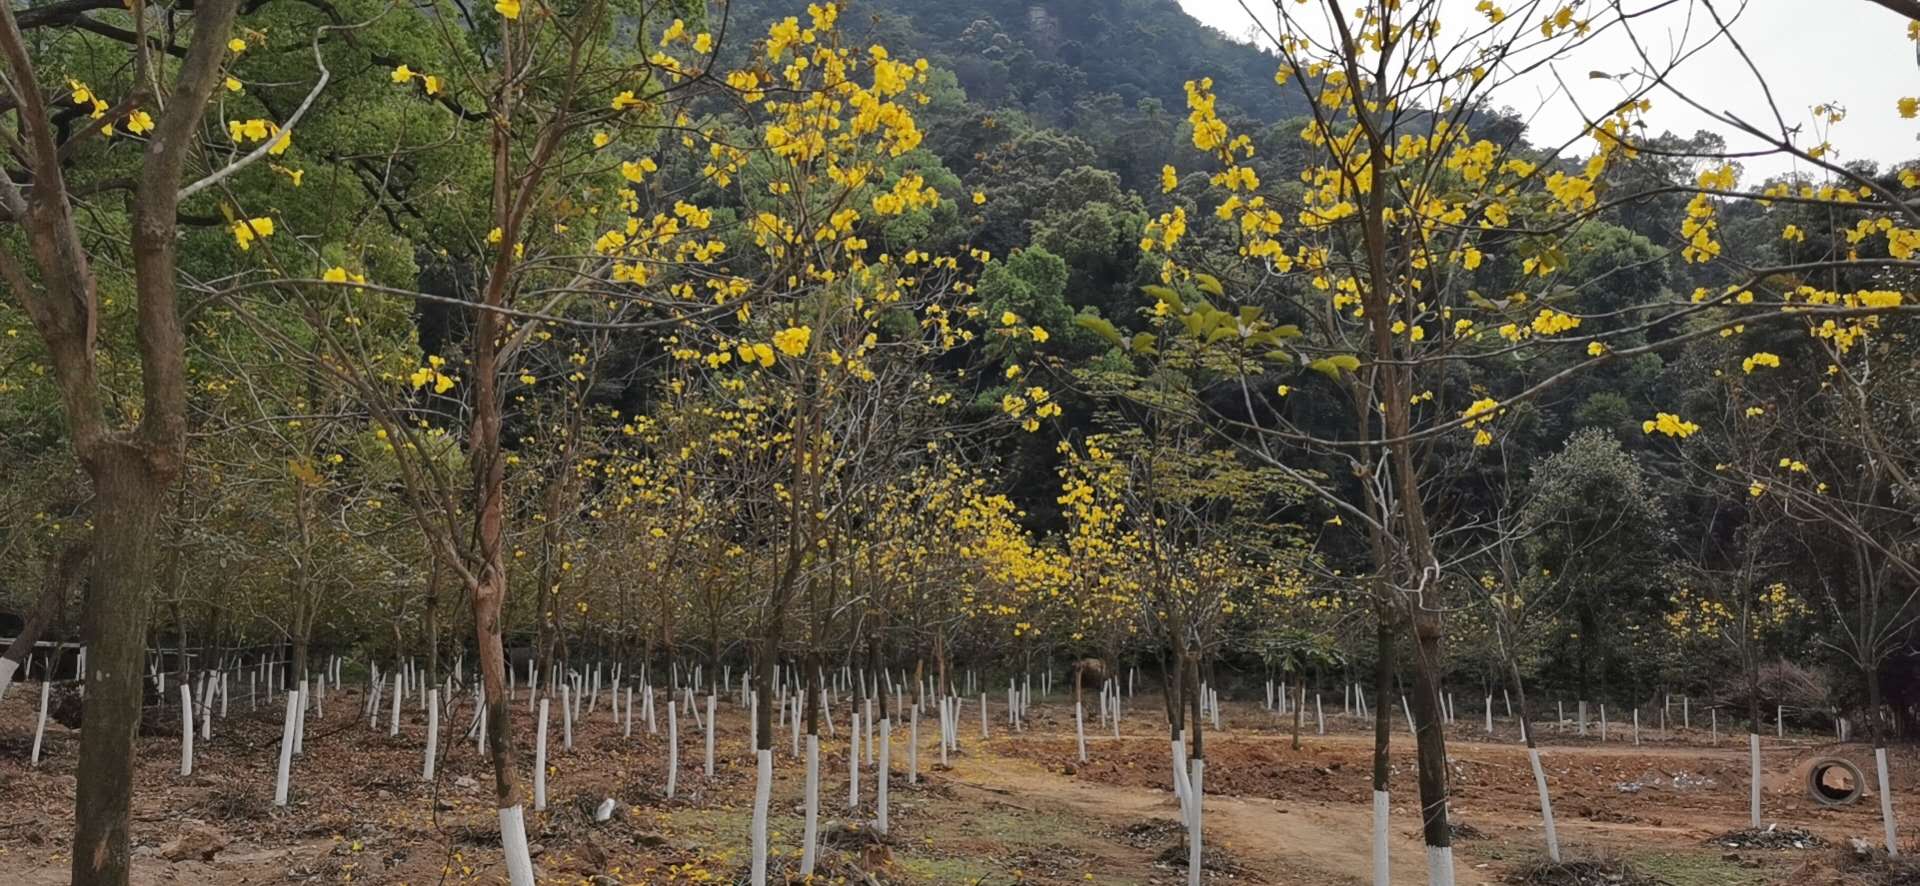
(186,728)
(853,764)
(1886,802)
(1440,866)
(540,759)
(399,694)
(433,733)
(1546,804)
(1382,868)
(1080,731)
(287,736)
(712,700)
(983,717)
(566,715)
(811,829)
(1180,776)
(673,746)
(513,842)
(883,778)
(627,729)
(40,727)
(913,745)
(300,720)
(762,798)
(1753,761)
(208,687)
(1198,779)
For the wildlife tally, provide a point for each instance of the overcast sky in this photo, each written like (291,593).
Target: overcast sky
(1853,52)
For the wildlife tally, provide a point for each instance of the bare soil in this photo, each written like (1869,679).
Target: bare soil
(1011,809)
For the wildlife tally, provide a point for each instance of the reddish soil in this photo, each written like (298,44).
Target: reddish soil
(1008,811)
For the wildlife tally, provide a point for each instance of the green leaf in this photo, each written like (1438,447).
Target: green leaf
(1332,366)
(1167,295)
(1287,331)
(1101,327)
(1143,343)
(1209,284)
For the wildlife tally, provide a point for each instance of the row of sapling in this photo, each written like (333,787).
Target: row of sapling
(1375,281)
(557,115)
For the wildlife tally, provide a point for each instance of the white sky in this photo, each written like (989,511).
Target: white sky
(1853,52)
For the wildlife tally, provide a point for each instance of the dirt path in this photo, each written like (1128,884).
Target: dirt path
(1306,843)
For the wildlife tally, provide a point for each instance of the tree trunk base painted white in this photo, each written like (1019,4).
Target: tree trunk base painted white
(1180,776)
(712,700)
(287,735)
(673,747)
(811,830)
(1753,759)
(513,842)
(1440,866)
(1546,804)
(853,764)
(762,798)
(1886,802)
(40,728)
(433,733)
(1382,871)
(1194,832)
(1080,730)
(883,777)
(186,727)
(540,760)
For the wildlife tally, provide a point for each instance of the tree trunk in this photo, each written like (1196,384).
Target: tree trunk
(1430,740)
(1382,711)
(302,617)
(130,503)
(1299,707)
(433,624)
(1193,707)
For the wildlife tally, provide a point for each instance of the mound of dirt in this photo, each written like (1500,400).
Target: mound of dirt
(1150,833)
(1213,861)
(1865,867)
(1590,872)
(1769,837)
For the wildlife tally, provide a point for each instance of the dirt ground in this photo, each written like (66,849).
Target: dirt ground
(1011,809)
